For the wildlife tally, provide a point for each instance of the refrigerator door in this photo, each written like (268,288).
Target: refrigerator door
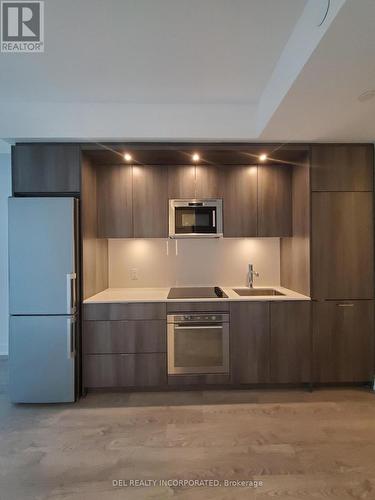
(42,256)
(41,359)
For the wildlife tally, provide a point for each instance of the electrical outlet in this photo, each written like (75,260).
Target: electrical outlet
(134,274)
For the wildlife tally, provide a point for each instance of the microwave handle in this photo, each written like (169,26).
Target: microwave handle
(214,218)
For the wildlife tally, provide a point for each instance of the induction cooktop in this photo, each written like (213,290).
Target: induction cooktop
(200,292)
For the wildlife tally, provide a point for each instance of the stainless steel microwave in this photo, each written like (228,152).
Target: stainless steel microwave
(196,218)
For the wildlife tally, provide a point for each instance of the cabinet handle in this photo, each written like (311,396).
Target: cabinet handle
(345,305)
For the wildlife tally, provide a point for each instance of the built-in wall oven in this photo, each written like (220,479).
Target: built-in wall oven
(198,343)
(195,218)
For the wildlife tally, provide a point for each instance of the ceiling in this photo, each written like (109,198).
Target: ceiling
(153,51)
(238,70)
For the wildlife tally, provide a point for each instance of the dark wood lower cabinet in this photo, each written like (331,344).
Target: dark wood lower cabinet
(290,344)
(109,337)
(124,370)
(343,341)
(250,342)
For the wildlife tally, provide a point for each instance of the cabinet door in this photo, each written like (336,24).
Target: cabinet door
(342,167)
(181,181)
(150,201)
(209,181)
(46,168)
(342,245)
(274,200)
(115,201)
(290,342)
(250,342)
(343,339)
(240,201)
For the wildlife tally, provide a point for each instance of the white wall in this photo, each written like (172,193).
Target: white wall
(198,262)
(5,191)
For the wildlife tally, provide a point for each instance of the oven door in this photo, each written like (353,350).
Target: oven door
(195,348)
(195,219)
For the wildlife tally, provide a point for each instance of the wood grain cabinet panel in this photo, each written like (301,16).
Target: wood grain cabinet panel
(46,168)
(109,337)
(250,342)
(336,167)
(115,201)
(274,201)
(209,182)
(125,370)
(343,340)
(290,351)
(130,311)
(181,181)
(219,306)
(240,201)
(342,245)
(150,201)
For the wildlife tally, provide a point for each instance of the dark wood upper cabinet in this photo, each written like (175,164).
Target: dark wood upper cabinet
(336,167)
(274,200)
(250,342)
(209,181)
(342,245)
(46,168)
(181,181)
(150,201)
(240,201)
(290,351)
(343,341)
(115,201)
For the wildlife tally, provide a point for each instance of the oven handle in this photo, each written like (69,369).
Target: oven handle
(198,327)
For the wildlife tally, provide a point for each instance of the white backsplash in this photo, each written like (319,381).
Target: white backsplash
(164,263)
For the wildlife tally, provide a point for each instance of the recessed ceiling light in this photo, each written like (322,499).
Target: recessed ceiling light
(367,95)
(263,157)
(195,157)
(127,157)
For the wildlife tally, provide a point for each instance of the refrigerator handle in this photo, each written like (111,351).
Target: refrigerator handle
(71,296)
(71,337)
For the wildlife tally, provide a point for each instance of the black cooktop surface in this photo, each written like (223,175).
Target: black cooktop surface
(199,292)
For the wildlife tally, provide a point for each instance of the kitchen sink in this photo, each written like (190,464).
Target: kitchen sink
(254,292)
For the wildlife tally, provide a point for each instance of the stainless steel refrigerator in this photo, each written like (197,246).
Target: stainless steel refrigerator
(42,299)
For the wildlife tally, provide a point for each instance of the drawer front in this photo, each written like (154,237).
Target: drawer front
(124,370)
(197,306)
(198,380)
(134,311)
(110,337)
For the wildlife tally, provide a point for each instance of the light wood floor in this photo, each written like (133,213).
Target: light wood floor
(301,445)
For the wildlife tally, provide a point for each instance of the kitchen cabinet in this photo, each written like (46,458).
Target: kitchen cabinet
(181,181)
(274,200)
(290,342)
(209,181)
(125,311)
(342,245)
(250,342)
(46,168)
(342,167)
(240,200)
(125,370)
(150,201)
(115,201)
(343,341)
(119,337)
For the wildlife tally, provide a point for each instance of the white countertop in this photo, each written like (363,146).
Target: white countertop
(124,295)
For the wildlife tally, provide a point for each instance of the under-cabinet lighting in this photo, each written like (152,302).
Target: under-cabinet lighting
(263,157)
(127,157)
(196,157)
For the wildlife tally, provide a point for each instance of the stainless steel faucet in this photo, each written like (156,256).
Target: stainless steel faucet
(250,276)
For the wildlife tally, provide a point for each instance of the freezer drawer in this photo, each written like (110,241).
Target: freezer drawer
(42,256)
(41,359)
